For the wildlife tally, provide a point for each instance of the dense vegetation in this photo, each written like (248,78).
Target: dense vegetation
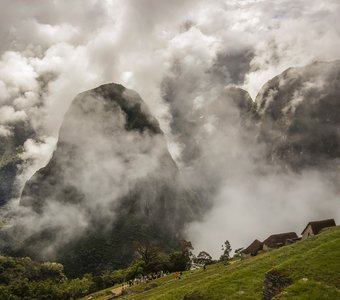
(22,278)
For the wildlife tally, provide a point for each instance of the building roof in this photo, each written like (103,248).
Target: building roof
(276,239)
(318,225)
(253,248)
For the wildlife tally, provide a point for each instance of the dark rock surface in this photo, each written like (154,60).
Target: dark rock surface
(150,286)
(299,116)
(274,284)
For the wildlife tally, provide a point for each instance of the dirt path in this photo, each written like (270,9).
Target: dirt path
(118,291)
(235,261)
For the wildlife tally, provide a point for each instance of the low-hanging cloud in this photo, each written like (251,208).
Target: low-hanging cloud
(184,58)
(102,158)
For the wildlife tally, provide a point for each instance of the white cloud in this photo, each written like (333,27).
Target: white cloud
(4,131)
(52,50)
(8,115)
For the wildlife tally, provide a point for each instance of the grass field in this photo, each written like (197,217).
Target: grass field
(313,265)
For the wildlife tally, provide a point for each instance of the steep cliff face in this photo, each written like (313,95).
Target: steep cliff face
(111,181)
(299,116)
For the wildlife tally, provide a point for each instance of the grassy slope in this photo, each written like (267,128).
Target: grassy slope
(309,290)
(317,259)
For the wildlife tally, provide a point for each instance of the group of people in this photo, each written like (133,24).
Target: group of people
(146,278)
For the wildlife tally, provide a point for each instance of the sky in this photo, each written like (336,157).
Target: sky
(180,56)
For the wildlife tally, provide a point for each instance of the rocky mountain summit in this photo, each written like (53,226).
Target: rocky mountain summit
(111,182)
(299,116)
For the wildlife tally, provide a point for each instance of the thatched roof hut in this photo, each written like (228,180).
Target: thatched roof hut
(315,227)
(278,240)
(253,248)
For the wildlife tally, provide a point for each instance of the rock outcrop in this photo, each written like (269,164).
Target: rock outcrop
(274,284)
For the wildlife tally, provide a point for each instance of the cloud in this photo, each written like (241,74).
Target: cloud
(252,186)
(111,159)
(36,155)
(88,43)
(4,131)
(254,207)
(184,58)
(8,115)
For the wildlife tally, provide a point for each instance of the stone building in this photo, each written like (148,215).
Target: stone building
(252,249)
(279,240)
(315,227)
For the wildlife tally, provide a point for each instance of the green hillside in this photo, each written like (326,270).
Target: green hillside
(312,266)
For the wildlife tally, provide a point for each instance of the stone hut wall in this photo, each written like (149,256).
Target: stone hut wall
(308,232)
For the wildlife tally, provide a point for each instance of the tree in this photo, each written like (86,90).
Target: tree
(238,252)
(185,245)
(51,270)
(154,258)
(203,258)
(179,261)
(136,268)
(160,263)
(147,251)
(226,248)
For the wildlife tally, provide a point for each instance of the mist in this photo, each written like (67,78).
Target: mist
(188,60)
(110,163)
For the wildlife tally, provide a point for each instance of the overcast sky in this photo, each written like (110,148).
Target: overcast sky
(52,50)
(186,50)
